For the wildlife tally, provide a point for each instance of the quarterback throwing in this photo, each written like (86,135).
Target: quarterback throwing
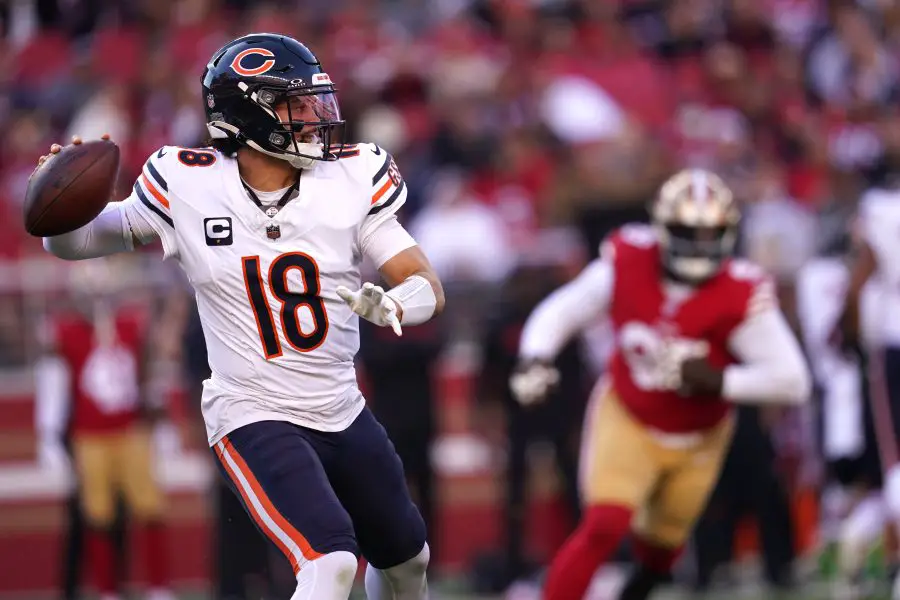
(695,332)
(270,223)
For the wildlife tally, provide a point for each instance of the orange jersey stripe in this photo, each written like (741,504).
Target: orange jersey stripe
(270,509)
(387,185)
(156,194)
(253,513)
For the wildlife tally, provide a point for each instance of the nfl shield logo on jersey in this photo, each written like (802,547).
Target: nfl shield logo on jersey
(273,232)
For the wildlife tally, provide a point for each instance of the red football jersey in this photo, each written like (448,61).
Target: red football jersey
(104,366)
(645,318)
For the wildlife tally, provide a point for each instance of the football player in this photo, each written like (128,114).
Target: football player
(92,384)
(696,331)
(877,259)
(858,513)
(270,224)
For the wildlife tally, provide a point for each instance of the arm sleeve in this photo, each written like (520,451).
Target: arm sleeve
(113,231)
(773,368)
(566,311)
(385,240)
(51,397)
(143,216)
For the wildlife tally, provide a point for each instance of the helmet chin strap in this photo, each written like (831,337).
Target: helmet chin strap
(221,130)
(298,162)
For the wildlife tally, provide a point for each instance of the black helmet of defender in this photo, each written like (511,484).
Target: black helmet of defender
(249,77)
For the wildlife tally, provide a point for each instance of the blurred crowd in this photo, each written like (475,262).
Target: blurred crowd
(506,116)
(536,113)
(525,129)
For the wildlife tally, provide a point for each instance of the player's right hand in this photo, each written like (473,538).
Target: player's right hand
(373,304)
(532,381)
(55,149)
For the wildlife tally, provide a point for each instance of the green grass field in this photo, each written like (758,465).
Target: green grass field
(815,571)
(446,592)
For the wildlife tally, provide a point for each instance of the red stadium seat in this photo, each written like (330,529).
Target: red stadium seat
(42,58)
(117,54)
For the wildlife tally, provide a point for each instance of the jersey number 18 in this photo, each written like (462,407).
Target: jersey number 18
(290,302)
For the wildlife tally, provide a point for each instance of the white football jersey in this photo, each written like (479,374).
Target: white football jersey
(821,289)
(281,343)
(880,223)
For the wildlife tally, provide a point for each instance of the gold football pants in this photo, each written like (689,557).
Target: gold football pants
(109,464)
(665,478)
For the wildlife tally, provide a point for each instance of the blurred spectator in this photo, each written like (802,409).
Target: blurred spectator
(779,233)
(606,185)
(99,382)
(105,112)
(465,240)
(54,452)
(849,67)
(578,111)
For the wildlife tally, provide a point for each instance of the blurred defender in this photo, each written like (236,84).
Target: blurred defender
(270,225)
(696,331)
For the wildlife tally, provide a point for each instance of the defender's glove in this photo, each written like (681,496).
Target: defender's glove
(699,378)
(532,381)
(372,304)
(684,367)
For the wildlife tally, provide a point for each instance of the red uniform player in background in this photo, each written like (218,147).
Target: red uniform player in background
(695,332)
(94,379)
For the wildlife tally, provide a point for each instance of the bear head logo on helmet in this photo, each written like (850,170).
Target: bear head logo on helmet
(269,92)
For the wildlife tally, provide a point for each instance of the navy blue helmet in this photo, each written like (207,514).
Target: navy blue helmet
(269,92)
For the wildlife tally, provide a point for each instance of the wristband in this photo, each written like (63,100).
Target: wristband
(416,298)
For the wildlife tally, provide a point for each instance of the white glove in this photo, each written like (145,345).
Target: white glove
(372,304)
(530,384)
(668,366)
(52,455)
(671,363)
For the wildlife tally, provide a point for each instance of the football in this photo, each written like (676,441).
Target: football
(71,188)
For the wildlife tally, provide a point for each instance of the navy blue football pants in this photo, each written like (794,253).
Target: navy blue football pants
(312,492)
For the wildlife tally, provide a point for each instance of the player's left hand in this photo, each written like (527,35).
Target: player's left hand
(699,378)
(372,304)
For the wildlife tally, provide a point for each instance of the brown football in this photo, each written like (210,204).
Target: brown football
(71,188)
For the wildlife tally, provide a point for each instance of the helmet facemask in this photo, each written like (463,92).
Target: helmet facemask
(694,254)
(696,220)
(269,92)
(303,126)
